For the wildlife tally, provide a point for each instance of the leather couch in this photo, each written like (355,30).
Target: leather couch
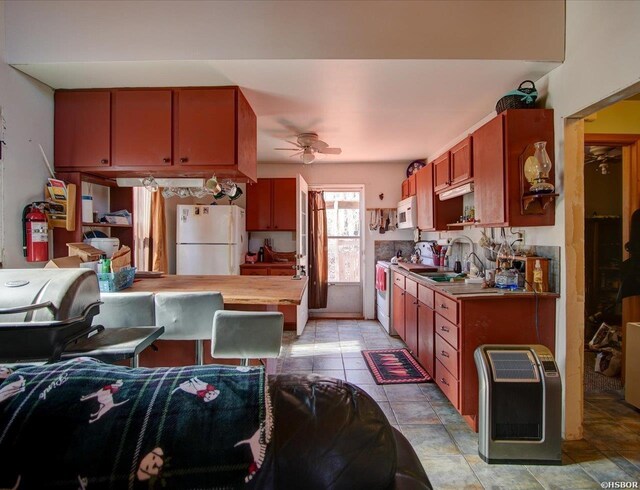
(330,434)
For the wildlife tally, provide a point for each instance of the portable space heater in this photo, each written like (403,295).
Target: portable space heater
(520,398)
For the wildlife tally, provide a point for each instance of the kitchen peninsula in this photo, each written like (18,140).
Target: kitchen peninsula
(248,293)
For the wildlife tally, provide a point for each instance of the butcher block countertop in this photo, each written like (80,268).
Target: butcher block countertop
(246,290)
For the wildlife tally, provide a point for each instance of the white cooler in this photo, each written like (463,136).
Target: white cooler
(108,245)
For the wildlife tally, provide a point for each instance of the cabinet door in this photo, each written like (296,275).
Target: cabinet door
(259,205)
(281,271)
(488,163)
(461,161)
(412,185)
(398,310)
(142,128)
(405,189)
(411,322)
(205,127)
(426,337)
(283,200)
(82,129)
(254,271)
(424,197)
(442,177)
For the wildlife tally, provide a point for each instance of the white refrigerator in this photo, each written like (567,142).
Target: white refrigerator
(210,239)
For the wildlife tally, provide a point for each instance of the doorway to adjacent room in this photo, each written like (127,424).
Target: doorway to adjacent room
(345,252)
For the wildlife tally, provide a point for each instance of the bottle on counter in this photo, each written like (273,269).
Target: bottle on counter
(538,278)
(261,254)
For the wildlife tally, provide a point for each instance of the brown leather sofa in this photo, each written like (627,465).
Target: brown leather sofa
(329,434)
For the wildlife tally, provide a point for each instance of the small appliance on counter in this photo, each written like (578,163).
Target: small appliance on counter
(408,213)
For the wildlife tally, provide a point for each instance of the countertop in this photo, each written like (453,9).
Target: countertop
(283,265)
(460,290)
(247,290)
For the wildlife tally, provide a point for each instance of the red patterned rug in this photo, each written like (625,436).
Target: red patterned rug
(394,366)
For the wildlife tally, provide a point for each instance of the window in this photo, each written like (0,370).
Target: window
(343,229)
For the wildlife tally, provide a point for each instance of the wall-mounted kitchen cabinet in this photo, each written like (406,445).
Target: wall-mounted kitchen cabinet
(271,205)
(455,167)
(434,214)
(82,137)
(498,150)
(163,132)
(409,186)
(141,128)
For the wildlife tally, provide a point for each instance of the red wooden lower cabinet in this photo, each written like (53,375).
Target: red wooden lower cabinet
(398,311)
(425,338)
(444,338)
(411,322)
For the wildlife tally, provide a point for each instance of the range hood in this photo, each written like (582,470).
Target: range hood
(457,191)
(162,182)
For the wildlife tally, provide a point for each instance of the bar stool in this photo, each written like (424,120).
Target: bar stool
(126,310)
(188,316)
(246,335)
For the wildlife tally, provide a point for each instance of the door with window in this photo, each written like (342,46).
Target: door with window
(345,251)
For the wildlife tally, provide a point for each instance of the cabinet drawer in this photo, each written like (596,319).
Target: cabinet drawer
(448,308)
(447,330)
(425,295)
(411,287)
(281,271)
(447,383)
(398,280)
(254,271)
(447,355)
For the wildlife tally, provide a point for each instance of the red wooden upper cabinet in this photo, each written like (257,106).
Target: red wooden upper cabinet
(441,174)
(271,205)
(412,185)
(141,128)
(424,197)
(284,204)
(461,164)
(259,205)
(488,155)
(405,189)
(82,134)
(205,127)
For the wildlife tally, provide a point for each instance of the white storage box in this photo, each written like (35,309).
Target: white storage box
(108,245)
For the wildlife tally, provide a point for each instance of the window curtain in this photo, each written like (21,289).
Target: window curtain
(318,251)
(159,260)
(142,227)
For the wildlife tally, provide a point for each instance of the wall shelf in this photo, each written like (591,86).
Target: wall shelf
(461,225)
(69,205)
(536,203)
(104,225)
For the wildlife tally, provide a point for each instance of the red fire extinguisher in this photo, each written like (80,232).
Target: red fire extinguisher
(35,236)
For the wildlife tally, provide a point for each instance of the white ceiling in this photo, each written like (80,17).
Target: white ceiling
(383,80)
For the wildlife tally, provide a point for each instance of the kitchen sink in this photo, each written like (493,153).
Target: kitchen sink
(438,276)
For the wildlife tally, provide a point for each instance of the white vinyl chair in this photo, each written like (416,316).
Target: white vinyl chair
(246,335)
(187,316)
(121,310)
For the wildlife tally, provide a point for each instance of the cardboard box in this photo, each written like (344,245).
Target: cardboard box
(86,252)
(64,263)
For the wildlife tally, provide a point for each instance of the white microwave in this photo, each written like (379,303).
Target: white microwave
(407,213)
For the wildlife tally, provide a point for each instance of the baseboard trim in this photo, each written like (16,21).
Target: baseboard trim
(336,316)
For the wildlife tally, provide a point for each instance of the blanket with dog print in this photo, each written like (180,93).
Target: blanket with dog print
(85,424)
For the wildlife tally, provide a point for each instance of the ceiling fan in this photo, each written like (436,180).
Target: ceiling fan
(602,156)
(308,146)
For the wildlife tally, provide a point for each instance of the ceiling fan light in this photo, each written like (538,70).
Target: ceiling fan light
(308,156)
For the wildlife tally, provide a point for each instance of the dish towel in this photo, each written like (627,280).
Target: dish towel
(381,279)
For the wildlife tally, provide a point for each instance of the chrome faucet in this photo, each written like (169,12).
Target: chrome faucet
(457,239)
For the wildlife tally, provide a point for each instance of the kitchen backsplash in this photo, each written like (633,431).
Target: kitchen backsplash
(385,249)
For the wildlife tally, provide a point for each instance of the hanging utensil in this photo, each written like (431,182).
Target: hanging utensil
(382,222)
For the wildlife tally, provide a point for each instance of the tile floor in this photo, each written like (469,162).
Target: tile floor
(447,447)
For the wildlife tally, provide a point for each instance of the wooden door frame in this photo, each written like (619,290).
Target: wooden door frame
(574,143)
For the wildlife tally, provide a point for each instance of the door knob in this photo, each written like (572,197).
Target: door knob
(184,160)
(104,161)
(166,160)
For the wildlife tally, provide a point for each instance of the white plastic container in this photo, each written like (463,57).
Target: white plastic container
(87,209)
(108,245)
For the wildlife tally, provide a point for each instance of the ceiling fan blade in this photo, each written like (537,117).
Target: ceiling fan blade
(319,145)
(296,154)
(294,144)
(331,151)
(294,149)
